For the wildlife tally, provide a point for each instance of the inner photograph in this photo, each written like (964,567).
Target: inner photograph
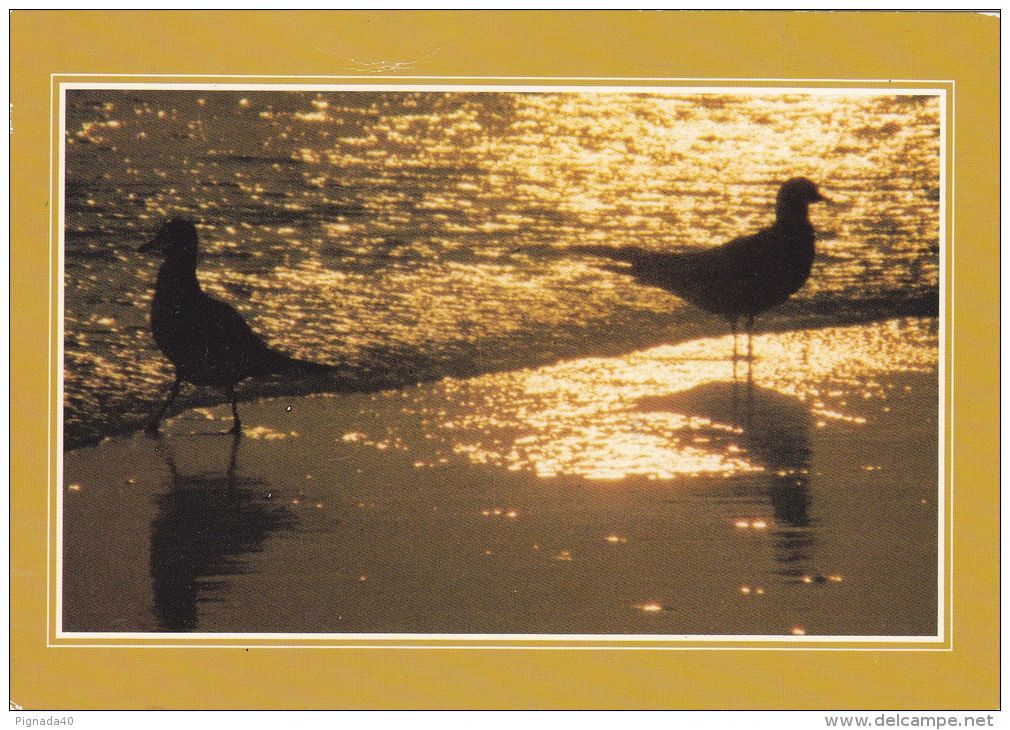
(658,362)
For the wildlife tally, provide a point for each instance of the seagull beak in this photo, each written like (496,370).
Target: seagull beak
(829,202)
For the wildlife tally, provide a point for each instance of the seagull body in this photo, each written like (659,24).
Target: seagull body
(741,278)
(207,341)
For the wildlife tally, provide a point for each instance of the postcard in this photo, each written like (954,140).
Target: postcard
(453,340)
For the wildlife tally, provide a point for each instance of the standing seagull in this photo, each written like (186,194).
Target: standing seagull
(741,278)
(206,340)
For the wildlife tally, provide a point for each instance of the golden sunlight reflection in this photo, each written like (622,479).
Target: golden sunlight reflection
(265,433)
(499,512)
(502,435)
(608,419)
(650,607)
(821,579)
(424,234)
(750,524)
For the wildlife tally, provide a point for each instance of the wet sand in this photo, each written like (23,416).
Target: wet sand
(651,493)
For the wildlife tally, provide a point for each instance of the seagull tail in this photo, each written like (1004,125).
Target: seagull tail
(296,366)
(627,254)
(643,264)
(669,271)
(617,253)
(273,362)
(335,378)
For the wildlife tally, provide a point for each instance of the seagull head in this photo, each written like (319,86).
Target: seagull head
(801,190)
(176,238)
(795,195)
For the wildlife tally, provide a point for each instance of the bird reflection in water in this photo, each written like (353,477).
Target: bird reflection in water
(774,430)
(205,524)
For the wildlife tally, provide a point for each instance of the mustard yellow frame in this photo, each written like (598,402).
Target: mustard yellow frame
(956,52)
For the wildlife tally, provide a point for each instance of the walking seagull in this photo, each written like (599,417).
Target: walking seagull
(739,279)
(207,341)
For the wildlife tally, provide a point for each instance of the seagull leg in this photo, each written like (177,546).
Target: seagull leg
(152,425)
(237,426)
(749,325)
(750,370)
(732,327)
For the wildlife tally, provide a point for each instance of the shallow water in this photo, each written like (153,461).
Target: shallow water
(652,493)
(412,236)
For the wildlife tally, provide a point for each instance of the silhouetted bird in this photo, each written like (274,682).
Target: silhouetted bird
(207,341)
(741,278)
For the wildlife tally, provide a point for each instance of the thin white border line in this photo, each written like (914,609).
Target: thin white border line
(496,647)
(50,456)
(574,638)
(58,415)
(318,640)
(941,385)
(505,88)
(360,77)
(949,384)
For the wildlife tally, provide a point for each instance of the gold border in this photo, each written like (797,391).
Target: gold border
(543,47)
